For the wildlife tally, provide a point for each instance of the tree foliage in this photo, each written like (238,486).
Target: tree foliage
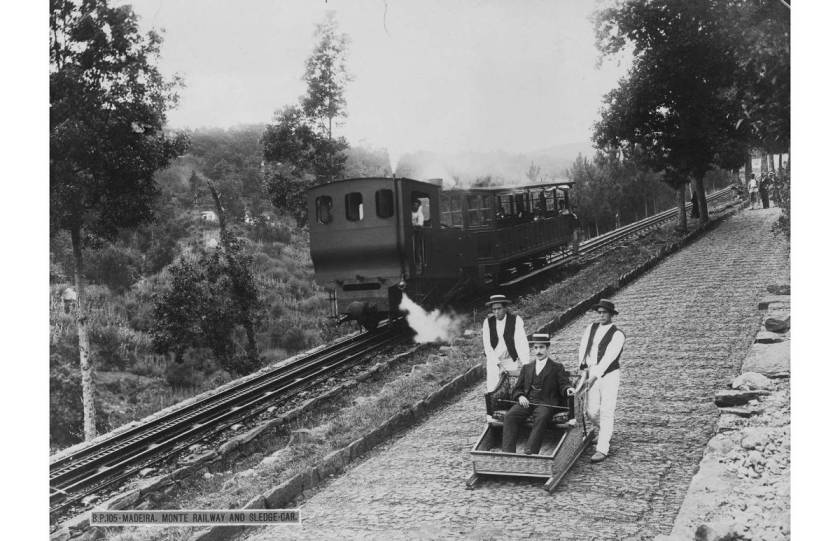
(697,95)
(206,300)
(107,113)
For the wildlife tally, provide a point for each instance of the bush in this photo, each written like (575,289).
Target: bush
(110,351)
(294,339)
(116,267)
(265,231)
(187,373)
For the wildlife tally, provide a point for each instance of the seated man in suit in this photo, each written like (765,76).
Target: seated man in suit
(541,383)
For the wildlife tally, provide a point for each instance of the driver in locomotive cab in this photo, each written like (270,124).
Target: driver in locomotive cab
(417,220)
(505,341)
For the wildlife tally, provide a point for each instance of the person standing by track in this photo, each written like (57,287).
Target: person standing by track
(764,189)
(505,341)
(600,348)
(752,187)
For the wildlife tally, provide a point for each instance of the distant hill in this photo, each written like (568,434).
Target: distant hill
(499,167)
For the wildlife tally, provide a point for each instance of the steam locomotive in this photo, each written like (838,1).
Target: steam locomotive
(367,250)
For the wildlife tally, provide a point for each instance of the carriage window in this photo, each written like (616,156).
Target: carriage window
(323,209)
(487,208)
(505,206)
(562,200)
(550,196)
(353,207)
(384,203)
(521,205)
(450,211)
(479,210)
(538,202)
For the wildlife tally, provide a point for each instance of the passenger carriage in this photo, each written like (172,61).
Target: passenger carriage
(565,439)
(366,252)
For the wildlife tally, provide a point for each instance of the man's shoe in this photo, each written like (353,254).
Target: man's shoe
(598,457)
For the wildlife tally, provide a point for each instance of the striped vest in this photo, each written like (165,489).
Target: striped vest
(602,346)
(507,334)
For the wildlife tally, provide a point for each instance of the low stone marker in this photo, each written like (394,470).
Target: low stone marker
(736,397)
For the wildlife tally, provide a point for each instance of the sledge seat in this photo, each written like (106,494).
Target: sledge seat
(500,400)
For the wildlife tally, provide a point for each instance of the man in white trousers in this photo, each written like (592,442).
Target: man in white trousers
(505,341)
(600,349)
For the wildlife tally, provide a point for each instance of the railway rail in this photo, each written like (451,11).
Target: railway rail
(93,468)
(96,467)
(594,246)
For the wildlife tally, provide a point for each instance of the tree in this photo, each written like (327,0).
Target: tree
(326,79)
(205,301)
(107,113)
(533,173)
(363,161)
(677,110)
(299,147)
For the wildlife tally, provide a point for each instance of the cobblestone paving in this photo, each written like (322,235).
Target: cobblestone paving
(689,322)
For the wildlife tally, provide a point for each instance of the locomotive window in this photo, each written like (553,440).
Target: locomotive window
(353,207)
(425,207)
(384,203)
(323,209)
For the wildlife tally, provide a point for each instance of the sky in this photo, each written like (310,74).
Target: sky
(472,75)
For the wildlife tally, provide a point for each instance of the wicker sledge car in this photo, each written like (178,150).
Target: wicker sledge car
(565,439)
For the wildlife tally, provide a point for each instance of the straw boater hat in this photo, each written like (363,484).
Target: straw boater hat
(497,299)
(606,305)
(539,338)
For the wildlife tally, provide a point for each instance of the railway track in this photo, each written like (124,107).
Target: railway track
(98,466)
(596,245)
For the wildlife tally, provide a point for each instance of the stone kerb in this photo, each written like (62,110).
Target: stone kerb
(749,453)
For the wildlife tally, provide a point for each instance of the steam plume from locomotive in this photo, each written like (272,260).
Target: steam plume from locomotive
(431,326)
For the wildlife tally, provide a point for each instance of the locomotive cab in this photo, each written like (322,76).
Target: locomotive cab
(364,247)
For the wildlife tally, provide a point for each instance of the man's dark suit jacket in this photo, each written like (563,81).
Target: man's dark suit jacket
(554,385)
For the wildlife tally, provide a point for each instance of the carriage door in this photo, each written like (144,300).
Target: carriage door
(421,223)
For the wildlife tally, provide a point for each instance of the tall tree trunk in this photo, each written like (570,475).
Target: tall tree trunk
(700,190)
(682,225)
(748,168)
(771,164)
(85,367)
(764,168)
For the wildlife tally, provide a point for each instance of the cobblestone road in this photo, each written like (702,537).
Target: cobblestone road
(689,322)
